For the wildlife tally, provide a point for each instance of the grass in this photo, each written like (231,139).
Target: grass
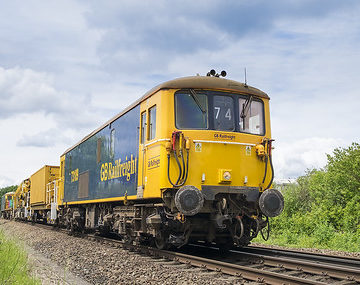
(328,240)
(14,268)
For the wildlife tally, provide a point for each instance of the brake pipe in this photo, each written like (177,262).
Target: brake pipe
(272,169)
(268,158)
(187,166)
(184,170)
(168,172)
(179,166)
(183,163)
(266,163)
(265,142)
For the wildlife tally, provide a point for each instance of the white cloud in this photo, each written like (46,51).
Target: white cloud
(5,181)
(69,66)
(39,122)
(18,163)
(47,138)
(24,91)
(292,158)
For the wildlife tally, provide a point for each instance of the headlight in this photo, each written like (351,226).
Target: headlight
(227,175)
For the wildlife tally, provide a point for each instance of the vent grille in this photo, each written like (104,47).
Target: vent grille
(83,185)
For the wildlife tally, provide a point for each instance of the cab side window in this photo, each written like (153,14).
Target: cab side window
(143,128)
(251,116)
(152,123)
(112,142)
(191,110)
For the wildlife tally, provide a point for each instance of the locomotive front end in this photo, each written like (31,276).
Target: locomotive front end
(219,165)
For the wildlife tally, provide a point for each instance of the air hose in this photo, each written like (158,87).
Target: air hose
(187,165)
(184,169)
(266,163)
(268,158)
(183,164)
(179,166)
(272,171)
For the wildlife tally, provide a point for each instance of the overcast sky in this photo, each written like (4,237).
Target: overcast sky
(66,67)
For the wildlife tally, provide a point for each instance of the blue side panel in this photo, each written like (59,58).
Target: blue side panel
(116,173)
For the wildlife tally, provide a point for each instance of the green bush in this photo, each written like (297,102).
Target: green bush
(323,208)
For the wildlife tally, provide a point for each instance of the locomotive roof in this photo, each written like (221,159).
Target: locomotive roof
(193,82)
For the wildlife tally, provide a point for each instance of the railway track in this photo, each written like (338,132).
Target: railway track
(260,264)
(255,264)
(308,256)
(292,267)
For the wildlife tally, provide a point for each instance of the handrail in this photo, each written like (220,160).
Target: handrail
(224,142)
(159,140)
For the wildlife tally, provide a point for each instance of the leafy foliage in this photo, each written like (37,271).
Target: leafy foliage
(323,208)
(7,189)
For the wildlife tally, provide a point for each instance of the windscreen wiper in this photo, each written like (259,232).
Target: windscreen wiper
(197,101)
(246,107)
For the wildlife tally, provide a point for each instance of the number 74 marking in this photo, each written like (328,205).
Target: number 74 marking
(227,115)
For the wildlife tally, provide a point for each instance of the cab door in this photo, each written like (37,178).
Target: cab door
(142,153)
(149,148)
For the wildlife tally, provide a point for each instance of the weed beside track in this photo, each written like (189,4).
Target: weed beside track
(14,267)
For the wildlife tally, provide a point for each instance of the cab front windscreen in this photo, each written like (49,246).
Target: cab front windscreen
(209,110)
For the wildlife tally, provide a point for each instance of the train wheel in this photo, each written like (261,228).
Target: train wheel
(161,240)
(48,218)
(238,230)
(128,237)
(254,228)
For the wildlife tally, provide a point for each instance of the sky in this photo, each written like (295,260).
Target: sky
(68,66)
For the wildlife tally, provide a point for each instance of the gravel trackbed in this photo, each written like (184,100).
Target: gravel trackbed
(81,261)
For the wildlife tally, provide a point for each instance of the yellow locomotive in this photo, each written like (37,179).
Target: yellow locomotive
(189,161)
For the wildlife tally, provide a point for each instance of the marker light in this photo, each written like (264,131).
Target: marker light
(227,176)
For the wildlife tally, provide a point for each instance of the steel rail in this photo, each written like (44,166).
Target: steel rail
(341,272)
(245,272)
(308,256)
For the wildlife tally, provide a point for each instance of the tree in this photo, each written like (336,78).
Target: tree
(323,207)
(7,189)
